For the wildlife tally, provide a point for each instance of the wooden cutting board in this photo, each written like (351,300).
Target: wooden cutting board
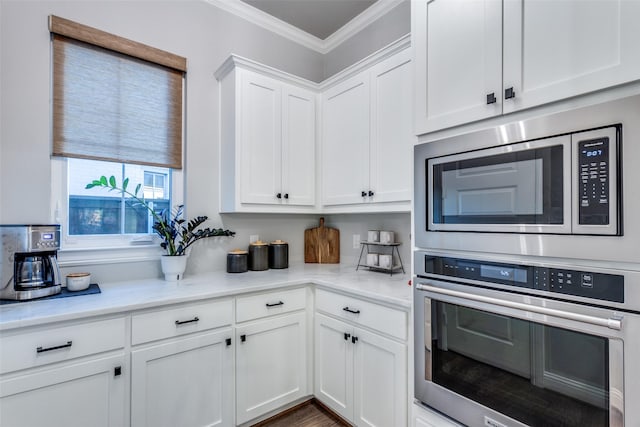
(322,244)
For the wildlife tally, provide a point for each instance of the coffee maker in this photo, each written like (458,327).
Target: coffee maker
(28,263)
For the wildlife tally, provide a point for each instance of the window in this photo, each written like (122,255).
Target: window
(100,212)
(117,110)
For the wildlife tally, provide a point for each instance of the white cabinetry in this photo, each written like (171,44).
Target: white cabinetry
(268,135)
(271,352)
(78,371)
(360,374)
(367,137)
(186,379)
(479,59)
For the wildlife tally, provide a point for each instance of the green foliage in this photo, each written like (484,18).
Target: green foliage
(177,233)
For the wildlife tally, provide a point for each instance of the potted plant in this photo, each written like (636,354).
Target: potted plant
(177,233)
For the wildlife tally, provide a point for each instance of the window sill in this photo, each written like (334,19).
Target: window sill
(77,257)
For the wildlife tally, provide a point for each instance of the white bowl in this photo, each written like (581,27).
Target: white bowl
(78,281)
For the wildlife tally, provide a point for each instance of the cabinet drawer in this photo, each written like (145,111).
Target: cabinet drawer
(56,344)
(384,319)
(263,305)
(184,319)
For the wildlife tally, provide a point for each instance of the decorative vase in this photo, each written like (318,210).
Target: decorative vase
(173,267)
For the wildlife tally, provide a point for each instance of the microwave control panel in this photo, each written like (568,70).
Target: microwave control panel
(607,287)
(593,185)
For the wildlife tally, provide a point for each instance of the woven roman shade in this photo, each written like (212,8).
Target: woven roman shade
(115,99)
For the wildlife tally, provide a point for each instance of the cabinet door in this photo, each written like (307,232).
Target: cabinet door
(334,365)
(298,146)
(184,382)
(380,372)
(82,394)
(558,49)
(458,53)
(345,142)
(392,138)
(260,132)
(271,365)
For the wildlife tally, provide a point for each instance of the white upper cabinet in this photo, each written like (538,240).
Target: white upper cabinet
(558,49)
(268,139)
(478,59)
(345,146)
(367,138)
(458,61)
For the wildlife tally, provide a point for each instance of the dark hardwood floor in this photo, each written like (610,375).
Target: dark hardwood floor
(308,414)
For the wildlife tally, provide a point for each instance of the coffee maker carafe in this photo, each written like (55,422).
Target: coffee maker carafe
(29,264)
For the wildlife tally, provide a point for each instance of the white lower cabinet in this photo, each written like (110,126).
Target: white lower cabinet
(271,364)
(359,374)
(90,393)
(68,374)
(184,382)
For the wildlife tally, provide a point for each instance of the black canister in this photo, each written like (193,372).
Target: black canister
(278,254)
(258,256)
(237,261)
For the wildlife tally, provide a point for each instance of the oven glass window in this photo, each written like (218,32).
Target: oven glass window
(537,374)
(521,187)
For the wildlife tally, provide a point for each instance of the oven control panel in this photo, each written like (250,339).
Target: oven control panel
(608,287)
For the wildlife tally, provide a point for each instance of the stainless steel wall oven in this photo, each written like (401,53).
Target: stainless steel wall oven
(513,344)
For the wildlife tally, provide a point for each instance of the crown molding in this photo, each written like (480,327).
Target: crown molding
(234,61)
(271,23)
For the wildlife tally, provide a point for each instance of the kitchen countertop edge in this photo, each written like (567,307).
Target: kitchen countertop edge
(121,298)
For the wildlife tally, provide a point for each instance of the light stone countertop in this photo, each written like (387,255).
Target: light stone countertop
(123,297)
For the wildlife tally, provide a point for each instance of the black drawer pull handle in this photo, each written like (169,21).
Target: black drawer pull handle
(58,347)
(275,304)
(351,311)
(243,338)
(363,194)
(286,195)
(182,322)
(354,339)
(346,336)
(279,195)
(371,193)
(491,98)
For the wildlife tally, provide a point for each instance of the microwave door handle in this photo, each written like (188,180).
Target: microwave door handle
(610,323)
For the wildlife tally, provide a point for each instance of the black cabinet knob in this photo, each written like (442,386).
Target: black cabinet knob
(279,195)
(491,98)
(243,338)
(346,336)
(509,93)
(371,193)
(286,195)
(354,339)
(364,194)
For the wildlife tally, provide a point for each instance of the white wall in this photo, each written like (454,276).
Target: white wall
(197,30)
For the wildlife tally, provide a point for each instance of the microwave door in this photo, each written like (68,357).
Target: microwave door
(517,188)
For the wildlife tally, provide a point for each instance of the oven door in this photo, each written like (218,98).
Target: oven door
(493,358)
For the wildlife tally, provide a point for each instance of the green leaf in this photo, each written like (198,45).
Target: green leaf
(124,184)
(89,186)
(137,189)
(103,180)
(112,181)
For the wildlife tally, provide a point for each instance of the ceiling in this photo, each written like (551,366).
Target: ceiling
(320,18)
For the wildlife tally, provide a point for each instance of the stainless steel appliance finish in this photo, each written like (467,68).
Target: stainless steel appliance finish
(28,263)
(504,342)
(564,197)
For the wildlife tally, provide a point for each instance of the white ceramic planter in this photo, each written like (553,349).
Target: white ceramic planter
(173,267)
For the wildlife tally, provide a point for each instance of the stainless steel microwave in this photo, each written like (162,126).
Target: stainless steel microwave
(558,184)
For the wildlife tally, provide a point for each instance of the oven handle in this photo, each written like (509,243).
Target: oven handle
(598,321)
